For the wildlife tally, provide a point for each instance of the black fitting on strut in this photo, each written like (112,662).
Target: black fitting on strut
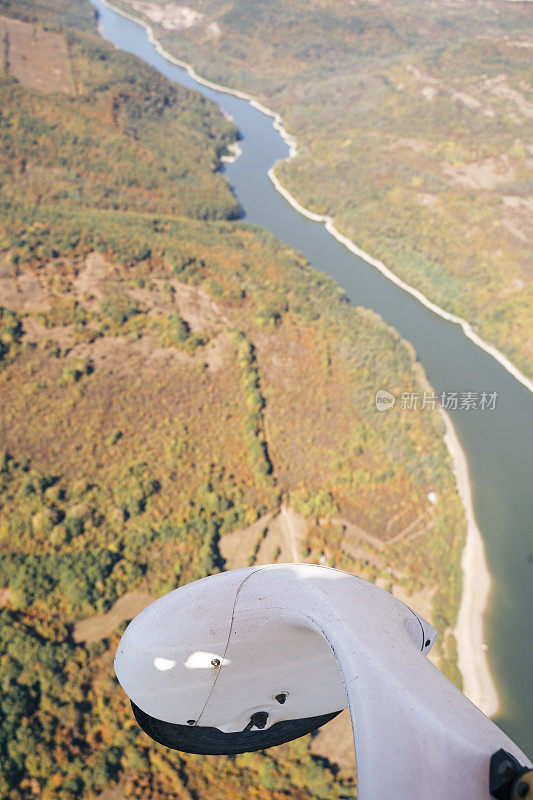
(508,779)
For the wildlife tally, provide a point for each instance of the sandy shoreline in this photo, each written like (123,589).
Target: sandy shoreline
(234,153)
(472,659)
(478,683)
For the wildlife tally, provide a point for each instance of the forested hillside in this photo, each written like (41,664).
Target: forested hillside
(152,349)
(413,122)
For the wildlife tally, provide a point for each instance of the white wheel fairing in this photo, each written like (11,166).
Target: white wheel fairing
(327,639)
(165,659)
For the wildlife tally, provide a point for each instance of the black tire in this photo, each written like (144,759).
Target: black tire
(211,741)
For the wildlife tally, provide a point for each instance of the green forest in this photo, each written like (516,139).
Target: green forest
(152,348)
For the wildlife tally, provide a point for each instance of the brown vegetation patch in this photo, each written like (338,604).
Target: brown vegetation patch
(151,400)
(95,271)
(36,58)
(194,305)
(21,291)
(499,87)
(35,333)
(112,351)
(485,174)
(5,596)
(284,539)
(355,532)
(216,351)
(426,199)
(434,85)
(274,537)
(416,145)
(101,625)
(310,388)
(197,307)
(518,220)
(237,547)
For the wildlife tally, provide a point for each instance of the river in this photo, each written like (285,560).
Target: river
(498,443)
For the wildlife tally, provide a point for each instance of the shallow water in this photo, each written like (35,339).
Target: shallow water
(498,444)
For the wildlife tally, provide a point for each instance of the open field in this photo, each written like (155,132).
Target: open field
(102,625)
(27,49)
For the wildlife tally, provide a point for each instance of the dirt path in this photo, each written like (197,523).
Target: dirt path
(355,532)
(275,537)
(291,522)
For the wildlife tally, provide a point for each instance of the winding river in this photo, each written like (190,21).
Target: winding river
(498,444)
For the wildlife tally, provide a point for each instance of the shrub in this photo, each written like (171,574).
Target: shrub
(118,307)
(75,370)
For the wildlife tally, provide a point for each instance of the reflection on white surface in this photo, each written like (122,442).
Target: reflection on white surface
(162,664)
(202,660)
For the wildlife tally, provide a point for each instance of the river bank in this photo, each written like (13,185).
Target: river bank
(478,683)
